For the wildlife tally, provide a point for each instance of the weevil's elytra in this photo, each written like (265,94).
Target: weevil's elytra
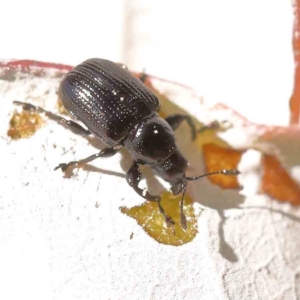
(107,99)
(119,109)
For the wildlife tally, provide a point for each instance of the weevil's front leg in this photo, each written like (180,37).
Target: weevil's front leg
(176,119)
(71,125)
(107,152)
(133,178)
(143,76)
(211,126)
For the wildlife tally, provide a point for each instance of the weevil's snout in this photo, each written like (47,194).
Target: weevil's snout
(173,171)
(177,188)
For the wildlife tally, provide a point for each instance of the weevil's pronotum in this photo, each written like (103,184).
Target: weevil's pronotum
(119,109)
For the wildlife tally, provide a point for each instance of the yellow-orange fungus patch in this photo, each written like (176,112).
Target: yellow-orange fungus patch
(152,221)
(24,124)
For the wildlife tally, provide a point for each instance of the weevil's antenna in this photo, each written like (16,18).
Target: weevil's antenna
(182,215)
(232,172)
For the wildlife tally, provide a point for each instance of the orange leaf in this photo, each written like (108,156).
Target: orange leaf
(295,99)
(277,183)
(219,158)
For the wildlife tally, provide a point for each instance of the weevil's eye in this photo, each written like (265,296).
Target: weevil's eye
(151,142)
(173,170)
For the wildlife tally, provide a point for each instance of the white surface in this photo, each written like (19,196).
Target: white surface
(55,243)
(237,52)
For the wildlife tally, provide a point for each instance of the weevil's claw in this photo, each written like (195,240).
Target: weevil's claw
(63,167)
(170,224)
(25,106)
(154,199)
(214,125)
(169,221)
(173,231)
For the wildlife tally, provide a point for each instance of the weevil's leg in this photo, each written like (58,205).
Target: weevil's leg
(133,178)
(182,215)
(143,76)
(71,125)
(107,152)
(176,119)
(213,125)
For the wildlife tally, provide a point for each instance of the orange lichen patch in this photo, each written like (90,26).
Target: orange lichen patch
(277,183)
(295,99)
(152,221)
(219,158)
(24,124)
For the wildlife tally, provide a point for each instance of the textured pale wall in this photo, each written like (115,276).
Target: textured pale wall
(56,245)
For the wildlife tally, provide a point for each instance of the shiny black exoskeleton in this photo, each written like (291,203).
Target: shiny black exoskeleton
(119,109)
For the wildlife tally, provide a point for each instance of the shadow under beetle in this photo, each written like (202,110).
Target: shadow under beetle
(119,109)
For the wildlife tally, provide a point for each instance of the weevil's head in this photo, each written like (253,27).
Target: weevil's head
(153,143)
(173,171)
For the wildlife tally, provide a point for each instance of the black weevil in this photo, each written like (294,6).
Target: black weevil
(119,109)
